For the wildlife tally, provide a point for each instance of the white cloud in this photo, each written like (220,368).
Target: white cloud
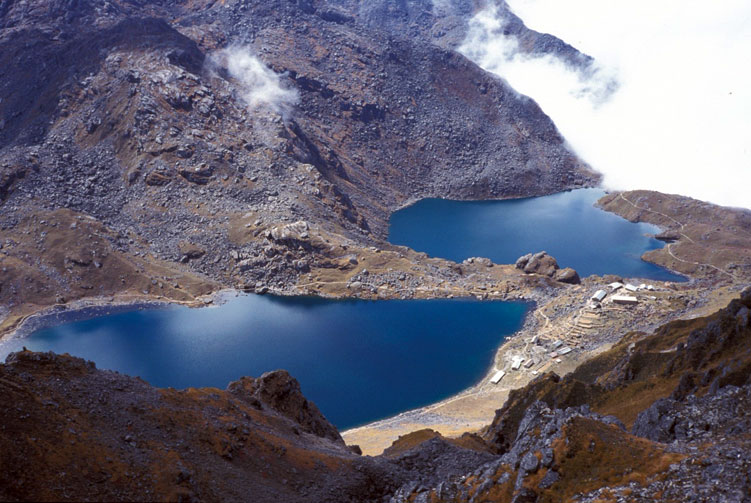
(260,87)
(680,120)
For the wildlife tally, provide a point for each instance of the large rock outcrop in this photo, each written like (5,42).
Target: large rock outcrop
(281,392)
(546,265)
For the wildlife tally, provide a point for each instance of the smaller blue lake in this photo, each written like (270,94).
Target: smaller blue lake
(357,360)
(567,225)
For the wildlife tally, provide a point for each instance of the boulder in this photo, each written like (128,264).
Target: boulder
(190,251)
(567,275)
(80,257)
(530,463)
(539,263)
(297,231)
(480,261)
(522,261)
(550,478)
(157,179)
(668,236)
(199,175)
(8,176)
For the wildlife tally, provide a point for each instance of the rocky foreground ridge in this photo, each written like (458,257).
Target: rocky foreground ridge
(659,417)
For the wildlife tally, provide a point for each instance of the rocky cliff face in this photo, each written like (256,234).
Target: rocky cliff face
(658,417)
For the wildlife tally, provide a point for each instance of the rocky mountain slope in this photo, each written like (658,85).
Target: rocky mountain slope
(151,119)
(663,416)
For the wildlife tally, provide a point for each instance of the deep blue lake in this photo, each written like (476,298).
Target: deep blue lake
(566,225)
(357,360)
(364,360)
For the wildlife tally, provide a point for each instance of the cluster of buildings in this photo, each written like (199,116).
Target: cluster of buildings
(557,349)
(623,296)
(615,293)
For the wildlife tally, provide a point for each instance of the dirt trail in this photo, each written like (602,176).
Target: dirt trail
(670,245)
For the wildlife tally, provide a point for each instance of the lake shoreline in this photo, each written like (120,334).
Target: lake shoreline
(92,307)
(452,415)
(156,342)
(571,226)
(418,421)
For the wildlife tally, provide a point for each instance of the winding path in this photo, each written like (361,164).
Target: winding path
(669,247)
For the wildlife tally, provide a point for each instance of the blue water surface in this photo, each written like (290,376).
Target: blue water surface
(364,360)
(567,225)
(357,360)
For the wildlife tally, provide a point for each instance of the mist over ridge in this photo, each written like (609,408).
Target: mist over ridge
(667,106)
(260,86)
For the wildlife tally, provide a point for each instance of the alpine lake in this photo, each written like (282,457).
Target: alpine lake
(362,360)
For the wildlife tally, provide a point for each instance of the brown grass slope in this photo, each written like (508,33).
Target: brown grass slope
(681,357)
(72,432)
(704,240)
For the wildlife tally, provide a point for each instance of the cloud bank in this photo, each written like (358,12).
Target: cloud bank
(260,87)
(679,120)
